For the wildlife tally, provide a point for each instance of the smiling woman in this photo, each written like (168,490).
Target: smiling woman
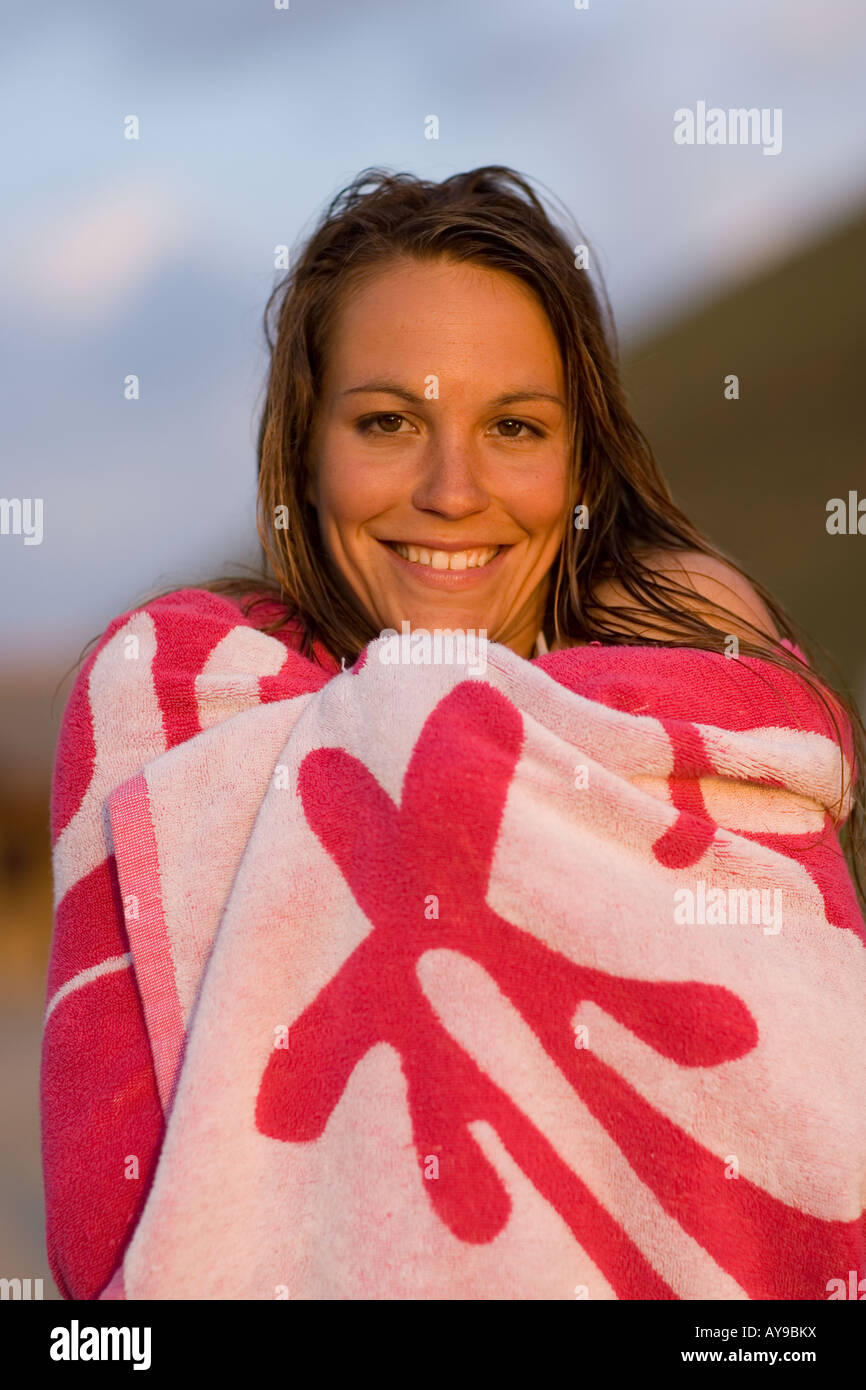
(416,317)
(400,948)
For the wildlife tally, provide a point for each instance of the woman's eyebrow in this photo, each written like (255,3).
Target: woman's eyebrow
(391,388)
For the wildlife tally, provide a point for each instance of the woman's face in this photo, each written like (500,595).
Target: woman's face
(439,452)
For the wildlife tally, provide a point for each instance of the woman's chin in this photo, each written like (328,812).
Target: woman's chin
(430,621)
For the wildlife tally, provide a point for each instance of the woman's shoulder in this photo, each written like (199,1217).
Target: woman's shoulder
(154,646)
(704,577)
(138,689)
(191,620)
(175,628)
(173,637)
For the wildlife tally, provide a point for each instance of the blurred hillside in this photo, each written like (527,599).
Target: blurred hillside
(28,730)
(755,474)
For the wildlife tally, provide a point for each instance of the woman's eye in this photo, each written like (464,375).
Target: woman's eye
(366,426)
(521,424)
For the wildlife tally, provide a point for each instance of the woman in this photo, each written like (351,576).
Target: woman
(483,240)
(444,444)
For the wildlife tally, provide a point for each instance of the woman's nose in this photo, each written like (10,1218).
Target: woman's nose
(450,484)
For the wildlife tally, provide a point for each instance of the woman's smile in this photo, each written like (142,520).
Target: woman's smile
(448,566)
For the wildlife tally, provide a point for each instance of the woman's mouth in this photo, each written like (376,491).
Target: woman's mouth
(447,568)
(475,558)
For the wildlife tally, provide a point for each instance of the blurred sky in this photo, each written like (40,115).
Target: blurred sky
(156,256)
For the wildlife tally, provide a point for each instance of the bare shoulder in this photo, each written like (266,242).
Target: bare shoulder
(704,577)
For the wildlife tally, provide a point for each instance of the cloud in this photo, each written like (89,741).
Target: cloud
(88,262)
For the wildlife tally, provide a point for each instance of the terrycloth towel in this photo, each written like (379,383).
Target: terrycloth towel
(547,981)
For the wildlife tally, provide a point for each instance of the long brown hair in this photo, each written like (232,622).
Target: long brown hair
(492,216)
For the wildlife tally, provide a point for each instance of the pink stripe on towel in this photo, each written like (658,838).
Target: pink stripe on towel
(138,873)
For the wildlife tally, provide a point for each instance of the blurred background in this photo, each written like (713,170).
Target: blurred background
(155,256)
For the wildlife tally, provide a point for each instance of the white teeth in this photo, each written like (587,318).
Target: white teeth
(446,559)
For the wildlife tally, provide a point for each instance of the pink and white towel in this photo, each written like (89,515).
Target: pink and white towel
(404,982)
